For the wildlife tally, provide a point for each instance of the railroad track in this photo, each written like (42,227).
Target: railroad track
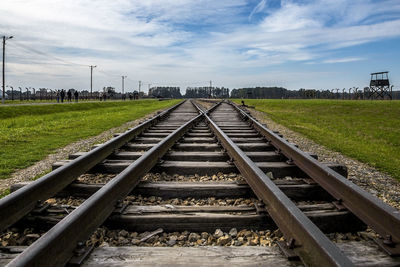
(190,177)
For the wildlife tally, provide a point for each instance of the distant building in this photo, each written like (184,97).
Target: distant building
(207,92)
(165,92)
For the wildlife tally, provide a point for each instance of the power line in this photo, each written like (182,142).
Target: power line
(109,74)
(30,49)
(67,62)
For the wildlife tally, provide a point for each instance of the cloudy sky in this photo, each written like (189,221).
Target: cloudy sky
(235,43)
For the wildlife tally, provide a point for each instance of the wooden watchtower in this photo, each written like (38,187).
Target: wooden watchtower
(379,86)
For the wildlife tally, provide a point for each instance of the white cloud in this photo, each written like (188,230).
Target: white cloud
(258,8)
(342,60)
(183,40)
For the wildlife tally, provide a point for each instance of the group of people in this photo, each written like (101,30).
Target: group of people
(61,95)
(74,94)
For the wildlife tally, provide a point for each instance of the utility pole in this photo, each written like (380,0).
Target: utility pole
(4,56)
(123,78)
(140,84)
(91,80)
(209,96)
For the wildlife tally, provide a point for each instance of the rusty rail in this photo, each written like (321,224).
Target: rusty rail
(308,242)
(381,217)
(62,239)
(14,206)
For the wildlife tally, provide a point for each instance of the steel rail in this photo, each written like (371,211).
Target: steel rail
(56,247)
(381,217)
(19,203)
(308,241)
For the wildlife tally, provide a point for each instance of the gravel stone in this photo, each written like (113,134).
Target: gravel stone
(171,242)
(233,232)
(218,233)
(193,237)
(224,240)
(204,235)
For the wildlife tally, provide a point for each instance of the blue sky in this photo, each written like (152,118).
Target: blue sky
(322,44)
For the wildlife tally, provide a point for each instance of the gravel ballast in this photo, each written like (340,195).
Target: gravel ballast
(158,238)
(219,177)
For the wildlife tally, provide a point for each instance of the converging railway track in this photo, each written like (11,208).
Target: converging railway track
(199,187)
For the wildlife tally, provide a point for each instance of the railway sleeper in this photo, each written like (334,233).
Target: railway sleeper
(259,156)
(202,218)
(295,189)
(361,253)
(278,169)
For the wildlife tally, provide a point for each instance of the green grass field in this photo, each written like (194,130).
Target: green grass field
(29,133)
(365,130)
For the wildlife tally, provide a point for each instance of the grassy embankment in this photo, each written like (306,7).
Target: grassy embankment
(365,130)
(29,133)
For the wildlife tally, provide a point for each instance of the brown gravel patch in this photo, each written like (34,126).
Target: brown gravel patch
(370,179)
(211,201)
(44,165)
(100,178)
(157,177)
(158,238)
(72,202)
(95,178)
